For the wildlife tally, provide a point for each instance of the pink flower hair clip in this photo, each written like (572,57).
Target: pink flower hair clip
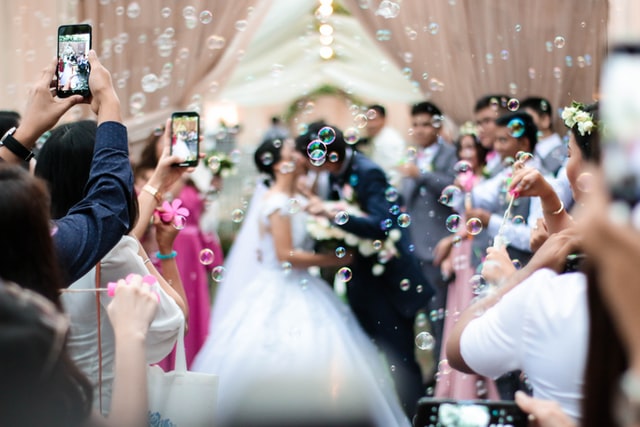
(173,213)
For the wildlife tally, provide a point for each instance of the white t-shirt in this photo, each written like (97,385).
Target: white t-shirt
(540,327)
(81,307)
(388,151)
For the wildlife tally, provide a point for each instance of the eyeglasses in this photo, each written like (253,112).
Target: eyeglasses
(48,315)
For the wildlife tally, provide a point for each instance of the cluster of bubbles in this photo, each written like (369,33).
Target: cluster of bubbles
(318,149)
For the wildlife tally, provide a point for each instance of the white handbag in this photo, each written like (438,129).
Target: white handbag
(181,398)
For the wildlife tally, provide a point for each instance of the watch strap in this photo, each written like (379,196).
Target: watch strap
(15,147)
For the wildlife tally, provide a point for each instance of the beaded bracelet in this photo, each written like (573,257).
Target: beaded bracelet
(172,255)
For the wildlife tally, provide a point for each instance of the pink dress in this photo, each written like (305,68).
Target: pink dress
(195,276)
(450,383)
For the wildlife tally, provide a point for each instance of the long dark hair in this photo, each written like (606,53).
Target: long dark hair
(606,361)
(27,255)
(589,143)
(267,155)
(40,385)
(65,163)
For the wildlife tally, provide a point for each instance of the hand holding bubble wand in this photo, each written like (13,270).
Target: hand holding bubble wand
(111,286)
(521,158)
(466,180)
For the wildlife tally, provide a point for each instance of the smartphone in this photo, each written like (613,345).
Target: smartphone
(620,112)
(72,71)
(185,137)
(469,413)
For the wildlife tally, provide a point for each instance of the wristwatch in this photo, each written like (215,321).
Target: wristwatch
(14,146)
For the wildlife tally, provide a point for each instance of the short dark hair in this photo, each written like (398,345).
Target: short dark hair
(540,105)
(8,120)
(530,129)
(493,100)
(379,109)
(338,146)
(425,108)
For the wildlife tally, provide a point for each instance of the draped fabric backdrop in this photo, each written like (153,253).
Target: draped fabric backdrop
(459,50)
(452,51)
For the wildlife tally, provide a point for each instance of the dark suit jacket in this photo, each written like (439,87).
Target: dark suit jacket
(370,184)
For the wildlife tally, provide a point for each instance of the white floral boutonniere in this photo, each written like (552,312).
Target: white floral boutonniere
(576,115)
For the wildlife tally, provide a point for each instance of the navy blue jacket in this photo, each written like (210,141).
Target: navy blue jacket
(370,187)
(95,224)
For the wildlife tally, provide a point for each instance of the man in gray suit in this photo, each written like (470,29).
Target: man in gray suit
(423,179)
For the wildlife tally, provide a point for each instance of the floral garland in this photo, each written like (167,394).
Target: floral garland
(576,115)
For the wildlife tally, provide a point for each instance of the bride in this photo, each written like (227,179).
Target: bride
(286,327)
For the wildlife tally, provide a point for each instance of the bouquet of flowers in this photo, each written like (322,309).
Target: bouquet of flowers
(330,236)
(220,163)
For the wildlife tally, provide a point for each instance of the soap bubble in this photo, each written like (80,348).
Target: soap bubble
(404,220)
(513,104)
(344,274)
(218,273)
(425,341)
(206,256)
(341,218)
(450,195)
(559,42)
(351,135)
(327,135)
(391,194)
(453,223)
(237,215)
(516,127)
(206,16)
(474,226)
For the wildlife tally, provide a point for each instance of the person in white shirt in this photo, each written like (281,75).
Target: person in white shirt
(486,111)
(387,148)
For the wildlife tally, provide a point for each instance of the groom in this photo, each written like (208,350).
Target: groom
(384,295)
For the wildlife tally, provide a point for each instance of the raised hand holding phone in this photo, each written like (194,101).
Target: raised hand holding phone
(73,68)
(185,137)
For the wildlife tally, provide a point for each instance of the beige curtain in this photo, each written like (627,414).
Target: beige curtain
(459,50)
(183,53)
(169,55)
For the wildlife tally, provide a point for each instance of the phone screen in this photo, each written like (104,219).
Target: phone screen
(185,138)
(620,111)
(469,413)
(74,43)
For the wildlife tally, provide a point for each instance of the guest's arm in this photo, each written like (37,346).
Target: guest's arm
(371,196)
(529,182)
(131,311)
(42,112)
(162,179)
(96,223)
(551,255)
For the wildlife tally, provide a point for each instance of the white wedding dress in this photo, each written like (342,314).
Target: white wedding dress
(287,324)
